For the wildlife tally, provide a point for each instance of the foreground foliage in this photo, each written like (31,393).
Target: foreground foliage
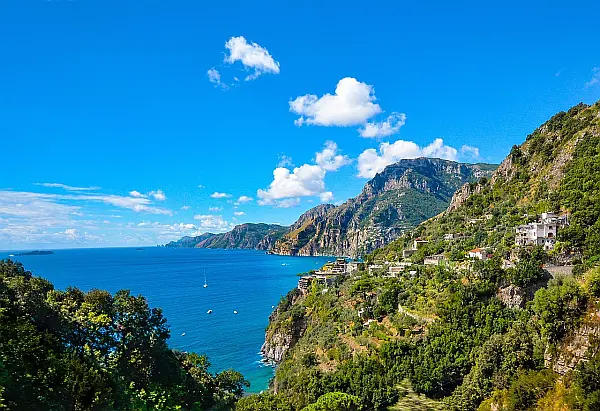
(71,350)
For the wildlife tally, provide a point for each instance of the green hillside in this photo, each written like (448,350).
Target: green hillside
(468,334)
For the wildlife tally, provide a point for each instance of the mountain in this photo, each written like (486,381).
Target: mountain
(395,200)
(516,331)
(189,242)
(258,236)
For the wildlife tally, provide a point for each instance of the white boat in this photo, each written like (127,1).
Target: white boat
(11,255)
(205,284)
(182,334)
(234,311)
(209,312)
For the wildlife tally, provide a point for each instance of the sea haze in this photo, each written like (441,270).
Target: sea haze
(247,281)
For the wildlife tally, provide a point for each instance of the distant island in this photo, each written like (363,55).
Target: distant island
(36,252)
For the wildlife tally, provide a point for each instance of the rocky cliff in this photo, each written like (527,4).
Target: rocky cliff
(395,200)
(286,327)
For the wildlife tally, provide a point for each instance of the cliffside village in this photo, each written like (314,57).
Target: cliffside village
(542,232)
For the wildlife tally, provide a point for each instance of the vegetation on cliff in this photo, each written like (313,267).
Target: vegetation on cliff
(451,332)
(70,350)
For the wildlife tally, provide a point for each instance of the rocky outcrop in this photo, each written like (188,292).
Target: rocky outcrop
(286,327)
(397,199)
(582,344)
(512,296)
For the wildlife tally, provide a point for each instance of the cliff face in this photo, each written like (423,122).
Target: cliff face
(286,327)
(395,200)
(244,236)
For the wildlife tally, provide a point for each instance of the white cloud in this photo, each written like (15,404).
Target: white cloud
(306,180)
(135,193)
(252,56)
(212,222)
(326,196)
(215,209)
(239,213)
(215,77)
(185,207)
(244,200)
(372,161)
(329,159)
(158,195)
(287,203)
(66,187)
(352,104)
(469,152)
(595,77)
(200,186)
(216,194)
(385,128)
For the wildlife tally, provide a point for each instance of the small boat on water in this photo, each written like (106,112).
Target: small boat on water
(11,255)
(209,312)
(205,283)
(183,334)
(234,311)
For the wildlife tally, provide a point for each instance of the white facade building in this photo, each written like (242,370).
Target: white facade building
(541,233)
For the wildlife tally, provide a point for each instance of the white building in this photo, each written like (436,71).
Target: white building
(479,253)
(542,233)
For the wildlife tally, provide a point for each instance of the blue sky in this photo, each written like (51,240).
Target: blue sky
(117,131)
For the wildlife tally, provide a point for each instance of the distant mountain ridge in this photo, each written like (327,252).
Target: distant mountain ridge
(400,197)
(403,195)
(257,236)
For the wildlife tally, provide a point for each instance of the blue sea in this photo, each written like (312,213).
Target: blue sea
(247,281)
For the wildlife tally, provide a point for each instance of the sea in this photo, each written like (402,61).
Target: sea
(247,281)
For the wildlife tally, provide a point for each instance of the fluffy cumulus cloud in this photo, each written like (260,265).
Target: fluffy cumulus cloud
(252,56)
(211,222)
(239,213)
(305,181)
(595,77)
(215,209)
(373,161)
(329,159)
(353,103)
(217,194)
(391,125)
(185,207)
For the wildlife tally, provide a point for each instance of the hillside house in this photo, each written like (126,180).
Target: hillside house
(418,242)
(323,279)
(452,236)
(479,253)
(352,267)
(304,283)
(436,259)
(543,232)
